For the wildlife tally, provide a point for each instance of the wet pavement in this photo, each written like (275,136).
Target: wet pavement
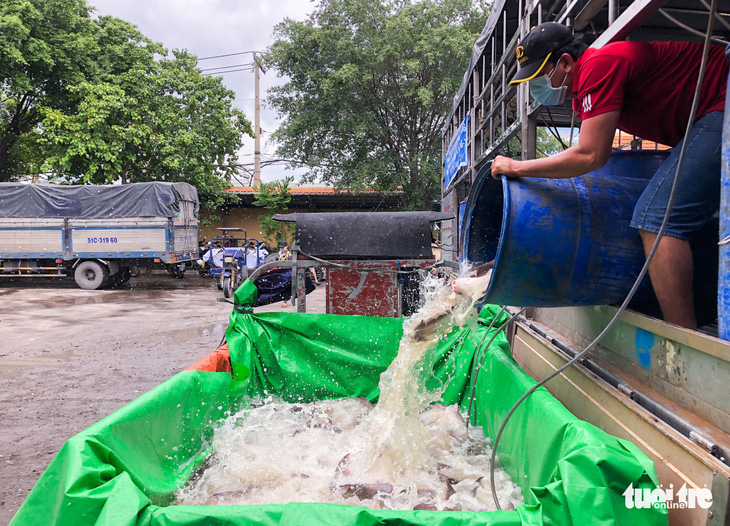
(69,357)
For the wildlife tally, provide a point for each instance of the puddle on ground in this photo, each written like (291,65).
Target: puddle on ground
(12,366)
(157,281)
(93,297)
(215,331)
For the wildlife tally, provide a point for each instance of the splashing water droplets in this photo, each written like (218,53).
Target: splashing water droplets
(404,453)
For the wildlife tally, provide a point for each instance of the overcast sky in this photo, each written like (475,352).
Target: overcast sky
(209,28)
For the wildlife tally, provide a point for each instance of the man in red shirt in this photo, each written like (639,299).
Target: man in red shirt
(645,89)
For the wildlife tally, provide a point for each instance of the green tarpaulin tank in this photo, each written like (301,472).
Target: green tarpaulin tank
(124,469)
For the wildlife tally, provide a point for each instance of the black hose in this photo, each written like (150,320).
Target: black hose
(479,358)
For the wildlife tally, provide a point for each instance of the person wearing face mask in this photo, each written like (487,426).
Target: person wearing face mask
(645,89)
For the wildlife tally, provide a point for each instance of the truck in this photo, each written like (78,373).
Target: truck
(661,386)
(96,234)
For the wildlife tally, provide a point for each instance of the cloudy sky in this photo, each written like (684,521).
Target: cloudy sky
(210,28)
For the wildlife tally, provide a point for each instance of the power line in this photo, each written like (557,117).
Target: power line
(270,162)
(230,71)
(235,176)
(227,67)
(228,55)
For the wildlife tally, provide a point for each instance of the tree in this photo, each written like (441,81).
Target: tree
(547,145)
(164,122)
(92,100)
(274,197)
(81,141)
(45,45)
(371,83)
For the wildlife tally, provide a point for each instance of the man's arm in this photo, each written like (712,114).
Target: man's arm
(591,152)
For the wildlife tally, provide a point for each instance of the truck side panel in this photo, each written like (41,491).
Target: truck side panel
(31,238)
(186,231)
(121,237)
(186,239)
(99,238)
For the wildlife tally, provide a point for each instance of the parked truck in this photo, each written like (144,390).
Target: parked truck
(96,234)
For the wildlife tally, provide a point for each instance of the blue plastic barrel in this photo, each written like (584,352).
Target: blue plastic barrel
(723,274)
(559,242)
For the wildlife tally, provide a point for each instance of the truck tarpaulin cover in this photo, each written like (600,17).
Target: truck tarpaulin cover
(124,469)
(95,202)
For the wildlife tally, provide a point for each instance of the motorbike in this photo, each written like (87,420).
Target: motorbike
(226,259)
(234,270)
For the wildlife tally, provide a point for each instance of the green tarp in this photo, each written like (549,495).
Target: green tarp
(124,469)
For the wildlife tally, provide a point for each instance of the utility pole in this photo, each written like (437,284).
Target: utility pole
(257,126)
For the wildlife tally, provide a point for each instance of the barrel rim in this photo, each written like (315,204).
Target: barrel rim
(493,287)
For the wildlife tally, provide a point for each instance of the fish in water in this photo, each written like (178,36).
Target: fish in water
(432,327)
(439,317)
(427,506)
(365,491)
(349,452)
(224,497)
(343,467)
(324,474)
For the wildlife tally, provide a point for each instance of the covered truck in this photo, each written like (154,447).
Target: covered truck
(96,234)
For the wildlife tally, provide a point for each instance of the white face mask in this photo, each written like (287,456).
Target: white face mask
(544,93)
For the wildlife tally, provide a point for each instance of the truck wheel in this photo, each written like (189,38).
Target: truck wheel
(125,273)
(176,271)
(91,275)
(120,277)
(227,287)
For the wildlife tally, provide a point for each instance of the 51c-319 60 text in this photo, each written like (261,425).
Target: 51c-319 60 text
(101,239)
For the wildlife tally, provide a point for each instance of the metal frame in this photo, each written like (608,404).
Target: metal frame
(678,459)
(300,265)
(500,113)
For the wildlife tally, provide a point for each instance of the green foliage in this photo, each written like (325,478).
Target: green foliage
(168,122)
(370,85)
(275,198)
(45,45)
(547,145)
(95,101)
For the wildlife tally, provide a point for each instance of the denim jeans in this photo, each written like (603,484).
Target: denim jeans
(698,194)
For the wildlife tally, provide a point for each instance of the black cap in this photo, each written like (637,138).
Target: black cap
(535,49)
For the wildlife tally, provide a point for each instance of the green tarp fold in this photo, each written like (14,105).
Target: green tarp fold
(124,469)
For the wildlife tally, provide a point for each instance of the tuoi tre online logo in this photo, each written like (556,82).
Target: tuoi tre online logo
(642,498)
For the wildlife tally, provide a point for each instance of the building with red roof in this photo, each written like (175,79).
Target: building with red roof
(245,214)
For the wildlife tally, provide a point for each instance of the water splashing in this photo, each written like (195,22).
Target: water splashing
(404,453)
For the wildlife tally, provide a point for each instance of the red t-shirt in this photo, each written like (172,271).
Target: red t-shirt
(651,83)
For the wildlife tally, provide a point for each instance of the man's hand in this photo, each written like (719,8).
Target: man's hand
(502,165)
(591,152)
